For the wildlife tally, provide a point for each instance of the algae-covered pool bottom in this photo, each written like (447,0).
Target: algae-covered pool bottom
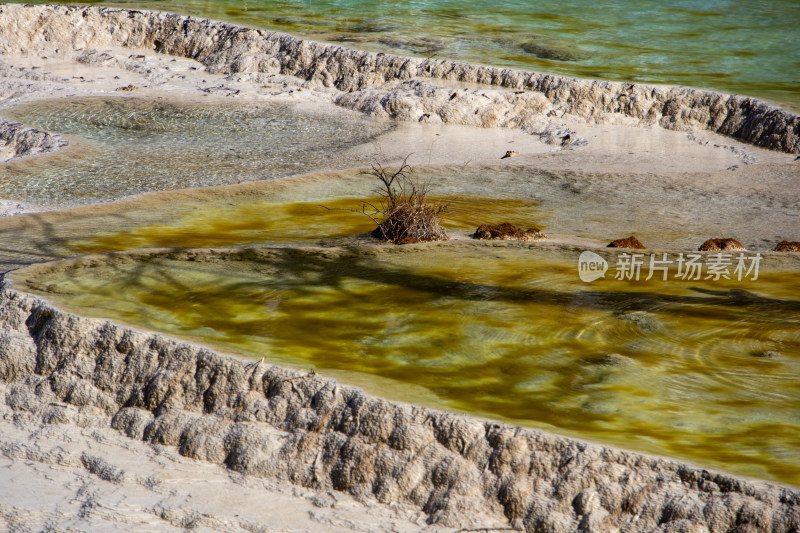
(253,222)
(704,370)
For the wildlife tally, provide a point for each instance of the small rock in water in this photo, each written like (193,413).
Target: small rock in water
(720,245)
(350,38)
(419,46)
(295,21)
(646,322)
(628,242)
(547,50)
(507,232)
(615,359)
(766,354)
(788,246)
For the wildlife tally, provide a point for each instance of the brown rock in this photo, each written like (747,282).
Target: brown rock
(788,246)
(507,232)
(629,242)
(720,245)
(127,88)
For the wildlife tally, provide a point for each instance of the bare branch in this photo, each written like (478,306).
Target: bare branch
(470,530)
(311,374)
(405,215)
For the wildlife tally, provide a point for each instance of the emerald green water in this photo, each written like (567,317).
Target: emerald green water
(739,46)
(702,370)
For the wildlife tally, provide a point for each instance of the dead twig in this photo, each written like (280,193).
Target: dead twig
(405,214)
(3,274)
(310,374)
(470,530)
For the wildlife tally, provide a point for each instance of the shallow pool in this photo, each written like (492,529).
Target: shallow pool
(125,146)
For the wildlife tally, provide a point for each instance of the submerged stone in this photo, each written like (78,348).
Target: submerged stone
(374,27)
(412,45)
(766,354)
(547,50)
(614,360)
(350,38)
(646,322)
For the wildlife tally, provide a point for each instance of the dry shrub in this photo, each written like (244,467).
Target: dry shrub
(407,223)
(788,246)
(628,242)
(720,245)
(405,214)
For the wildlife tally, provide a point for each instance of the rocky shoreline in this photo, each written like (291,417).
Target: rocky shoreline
(396,86)
(265,421)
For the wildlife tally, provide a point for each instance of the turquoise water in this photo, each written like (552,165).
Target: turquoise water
(744,47)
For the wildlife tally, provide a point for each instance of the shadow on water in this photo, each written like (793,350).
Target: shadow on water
(41,237)
(312,269)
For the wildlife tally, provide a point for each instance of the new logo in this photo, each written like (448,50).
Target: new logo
(591,266)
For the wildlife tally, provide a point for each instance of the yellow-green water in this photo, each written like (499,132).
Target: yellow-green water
(749,47)
(260,221)
(707,371)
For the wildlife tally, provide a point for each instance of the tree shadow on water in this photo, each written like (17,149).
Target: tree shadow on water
(331,271)
(299,272)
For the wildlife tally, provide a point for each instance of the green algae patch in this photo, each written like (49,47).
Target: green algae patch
(704,370)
